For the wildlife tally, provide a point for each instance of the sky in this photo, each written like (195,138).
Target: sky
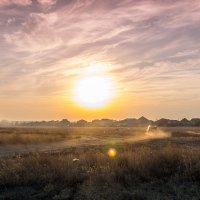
(149,48)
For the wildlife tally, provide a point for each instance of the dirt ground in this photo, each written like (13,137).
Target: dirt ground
(84,137)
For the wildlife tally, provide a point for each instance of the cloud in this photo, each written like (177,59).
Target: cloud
(11,20)
(36,34)
(47,2)
(151,46)
(15,2)
(186,53)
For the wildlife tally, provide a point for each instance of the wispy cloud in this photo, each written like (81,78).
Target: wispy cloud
(36,34)
(47,2)
(150,47)
(15,2)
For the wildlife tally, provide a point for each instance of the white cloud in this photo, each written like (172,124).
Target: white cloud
(47,2)
(15,2)
(11,20)
(186,53)
(36,34)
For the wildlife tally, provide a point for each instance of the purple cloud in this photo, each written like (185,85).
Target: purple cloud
(15,2)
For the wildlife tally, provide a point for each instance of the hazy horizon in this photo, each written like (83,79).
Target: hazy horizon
(100,118)
(99,59)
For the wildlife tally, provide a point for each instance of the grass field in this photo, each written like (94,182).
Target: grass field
(31,135)
(24,135)
(27,135)
(157,168)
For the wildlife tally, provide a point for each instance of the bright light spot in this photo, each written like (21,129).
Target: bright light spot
(112,152)
(95,89)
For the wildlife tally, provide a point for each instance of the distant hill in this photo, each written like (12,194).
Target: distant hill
(129,122)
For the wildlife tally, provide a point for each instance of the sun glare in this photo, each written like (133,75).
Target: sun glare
(94,89)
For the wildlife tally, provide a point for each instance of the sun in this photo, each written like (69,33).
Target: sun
(94,92)
(94,89)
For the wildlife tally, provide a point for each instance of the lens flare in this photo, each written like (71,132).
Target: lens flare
(112,152)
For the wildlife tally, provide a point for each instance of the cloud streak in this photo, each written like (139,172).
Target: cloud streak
(15,2)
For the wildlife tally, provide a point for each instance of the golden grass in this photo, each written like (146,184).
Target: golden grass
(97,176)
(155,170)
(23,135)
(9,136)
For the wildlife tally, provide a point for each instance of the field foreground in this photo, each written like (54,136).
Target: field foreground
(158,168)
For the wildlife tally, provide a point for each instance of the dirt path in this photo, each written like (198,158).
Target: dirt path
(12,150)
(95,140)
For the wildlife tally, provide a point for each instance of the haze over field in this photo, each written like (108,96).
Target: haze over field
(91,59)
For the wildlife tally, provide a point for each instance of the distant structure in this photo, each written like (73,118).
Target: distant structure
(129,122)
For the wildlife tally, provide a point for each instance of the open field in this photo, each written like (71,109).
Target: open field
(24,140)
(26,135)
(145,167)
(30,135)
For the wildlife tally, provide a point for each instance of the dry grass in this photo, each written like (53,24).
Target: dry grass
(9,136)
(161,169)
(137,172)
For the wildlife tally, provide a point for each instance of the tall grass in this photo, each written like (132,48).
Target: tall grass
(9,136)
(23,135)
(97,176)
